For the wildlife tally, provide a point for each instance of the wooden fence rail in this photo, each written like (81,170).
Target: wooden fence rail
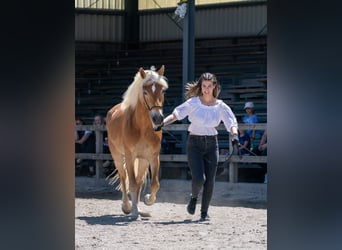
(99,156)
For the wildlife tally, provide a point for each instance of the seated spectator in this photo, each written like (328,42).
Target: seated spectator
(84,143)
(108,166)
(163,147)
(261,150)
(244,142)
(250,118)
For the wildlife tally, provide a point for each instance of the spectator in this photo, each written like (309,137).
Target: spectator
(205,112)
(244,142)
(261,150)
(107,165)
(163,148)
(250,118)
(98,119)
(84,143)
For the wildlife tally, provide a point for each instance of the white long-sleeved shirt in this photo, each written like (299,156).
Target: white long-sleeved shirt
(204,119)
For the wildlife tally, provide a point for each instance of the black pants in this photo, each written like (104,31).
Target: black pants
(203,155)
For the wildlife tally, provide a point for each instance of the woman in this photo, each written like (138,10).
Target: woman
(205,112)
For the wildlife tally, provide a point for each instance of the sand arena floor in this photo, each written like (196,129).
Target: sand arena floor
(238,218)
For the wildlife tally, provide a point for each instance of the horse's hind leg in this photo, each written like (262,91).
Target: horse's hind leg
(119,165)
(126,206)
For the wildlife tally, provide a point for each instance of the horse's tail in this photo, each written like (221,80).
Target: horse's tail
(114,178)
(146,175)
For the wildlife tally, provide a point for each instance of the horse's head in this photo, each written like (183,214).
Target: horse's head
(153,94)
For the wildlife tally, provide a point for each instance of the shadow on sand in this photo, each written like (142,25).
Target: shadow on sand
(118,220)
(124,220)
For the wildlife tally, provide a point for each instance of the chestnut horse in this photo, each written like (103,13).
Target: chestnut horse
(134,137)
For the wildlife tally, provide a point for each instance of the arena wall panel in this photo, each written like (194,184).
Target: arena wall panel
(160,25)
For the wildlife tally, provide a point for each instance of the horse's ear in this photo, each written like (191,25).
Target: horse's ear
(142,73)
(161,70)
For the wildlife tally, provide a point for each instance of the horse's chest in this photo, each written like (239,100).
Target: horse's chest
(147,146)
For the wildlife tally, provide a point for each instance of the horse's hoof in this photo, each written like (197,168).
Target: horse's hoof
(126,208)
(144,214)
(148,200)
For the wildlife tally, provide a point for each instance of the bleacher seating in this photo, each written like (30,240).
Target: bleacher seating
(103,72)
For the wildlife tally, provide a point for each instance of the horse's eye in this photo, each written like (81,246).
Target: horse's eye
(145,93)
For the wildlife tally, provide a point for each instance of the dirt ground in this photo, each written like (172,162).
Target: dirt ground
(238,218)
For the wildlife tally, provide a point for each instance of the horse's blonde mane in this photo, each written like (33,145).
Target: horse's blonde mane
(134,91)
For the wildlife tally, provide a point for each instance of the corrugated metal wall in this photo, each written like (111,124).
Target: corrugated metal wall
(235,21)
(156,27)
(95,27)
(224,21)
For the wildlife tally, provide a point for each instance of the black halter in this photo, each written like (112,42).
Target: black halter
(150,108)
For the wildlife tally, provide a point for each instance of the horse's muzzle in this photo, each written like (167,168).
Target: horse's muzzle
(157,118)
(159,127)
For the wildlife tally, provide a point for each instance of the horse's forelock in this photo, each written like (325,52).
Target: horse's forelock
(152,76)
(134,91)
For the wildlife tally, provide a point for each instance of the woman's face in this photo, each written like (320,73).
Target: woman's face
(97,120)
(207,87)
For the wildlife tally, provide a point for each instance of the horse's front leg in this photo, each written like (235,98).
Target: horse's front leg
(151,198)
(141,178)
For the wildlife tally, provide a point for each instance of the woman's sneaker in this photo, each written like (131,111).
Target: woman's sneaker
(204,216)
(191,206)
